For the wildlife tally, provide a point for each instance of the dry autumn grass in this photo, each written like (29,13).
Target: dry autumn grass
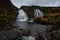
(53,18)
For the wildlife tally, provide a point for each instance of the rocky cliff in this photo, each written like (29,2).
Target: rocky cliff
(8,12)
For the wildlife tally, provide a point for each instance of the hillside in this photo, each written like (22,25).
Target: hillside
(8,12)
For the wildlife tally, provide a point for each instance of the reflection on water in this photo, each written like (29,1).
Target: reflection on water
(32,27)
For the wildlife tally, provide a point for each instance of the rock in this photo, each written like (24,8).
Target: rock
(3,37)
(18,35)
(11,34)
(8,34)
(55,35)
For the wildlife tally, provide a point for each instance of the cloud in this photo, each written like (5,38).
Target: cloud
(19,3)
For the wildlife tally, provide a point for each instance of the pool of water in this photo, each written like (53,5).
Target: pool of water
(34,28)
(31,26)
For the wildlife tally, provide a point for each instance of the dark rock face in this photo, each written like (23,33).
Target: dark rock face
(8,35)
(8,12)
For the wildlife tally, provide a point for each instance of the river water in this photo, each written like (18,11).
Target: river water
(31,26)
(34,28)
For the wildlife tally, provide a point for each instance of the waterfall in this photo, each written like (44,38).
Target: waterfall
(38,13)
(22,16)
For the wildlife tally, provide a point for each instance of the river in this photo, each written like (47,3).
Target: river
(34,28)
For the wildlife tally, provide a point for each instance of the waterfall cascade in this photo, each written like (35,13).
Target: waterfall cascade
(38,13)
(22,16)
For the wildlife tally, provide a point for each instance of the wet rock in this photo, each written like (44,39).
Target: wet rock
(56,34)
(8,34)
(14,34)
(26,34)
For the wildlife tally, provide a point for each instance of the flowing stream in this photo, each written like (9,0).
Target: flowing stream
(23,24)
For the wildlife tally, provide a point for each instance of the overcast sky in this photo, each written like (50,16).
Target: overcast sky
(19,3)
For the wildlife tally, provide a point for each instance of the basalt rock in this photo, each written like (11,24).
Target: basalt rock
(8,12)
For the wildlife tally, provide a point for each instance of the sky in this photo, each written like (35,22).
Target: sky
(19,3)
